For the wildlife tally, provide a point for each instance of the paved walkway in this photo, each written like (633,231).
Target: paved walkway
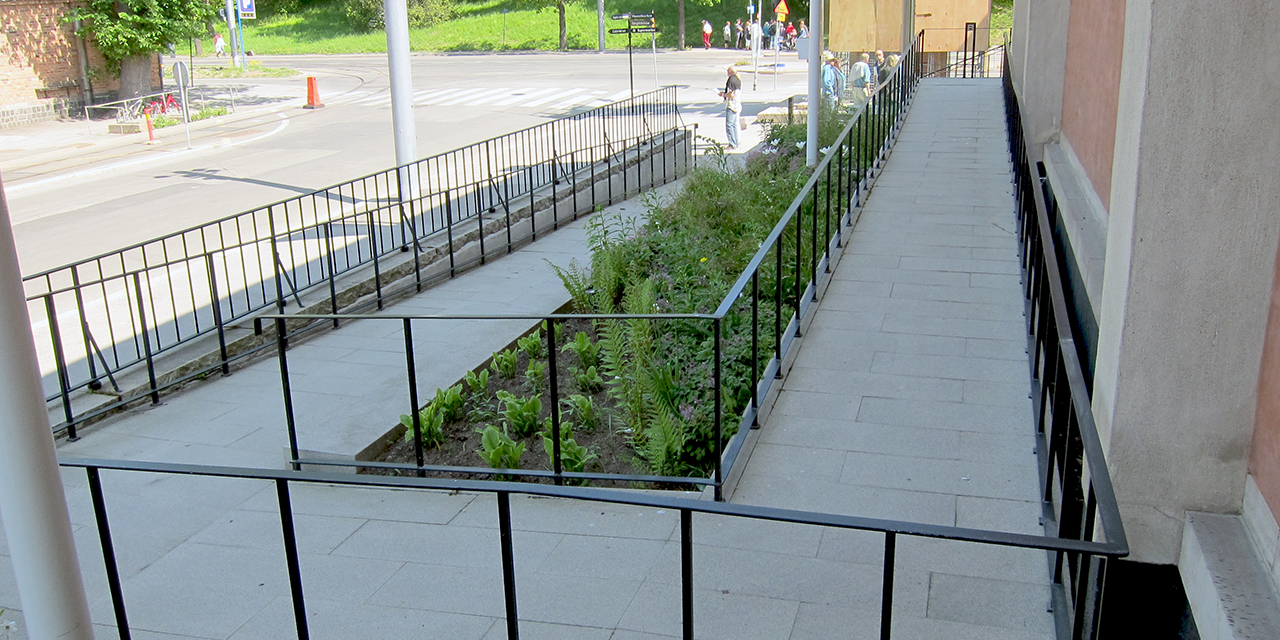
(908,400)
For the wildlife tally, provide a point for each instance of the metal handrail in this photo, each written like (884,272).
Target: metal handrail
(127,307)
(1066,433)
(503,491)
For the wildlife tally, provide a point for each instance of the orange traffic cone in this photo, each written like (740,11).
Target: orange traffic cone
(313,94)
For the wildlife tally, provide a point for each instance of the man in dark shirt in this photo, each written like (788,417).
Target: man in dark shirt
(732,106)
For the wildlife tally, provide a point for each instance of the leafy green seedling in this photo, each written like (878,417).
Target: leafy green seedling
(448,403)
(478,383)
(573,456)
(536,376)
(583,409)
(432,423)
(588,379)
(498,450)
(587,352)
(504,363)
(532,345)
(521,414)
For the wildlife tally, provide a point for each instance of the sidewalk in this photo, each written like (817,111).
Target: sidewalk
(907,401)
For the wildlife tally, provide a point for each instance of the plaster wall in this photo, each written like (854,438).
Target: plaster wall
(1042,62)
(1191,248)
(1091,86)
(1264,456)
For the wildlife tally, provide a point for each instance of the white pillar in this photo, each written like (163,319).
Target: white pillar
(600,22)
(232,38)
(815,80)
(36,523)
(396,14)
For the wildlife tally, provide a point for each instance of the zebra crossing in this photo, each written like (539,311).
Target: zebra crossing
(551,98)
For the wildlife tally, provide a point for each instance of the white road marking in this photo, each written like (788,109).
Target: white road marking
(521,98)
(534,103)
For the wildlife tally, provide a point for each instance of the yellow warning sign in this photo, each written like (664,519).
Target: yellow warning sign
(782,9)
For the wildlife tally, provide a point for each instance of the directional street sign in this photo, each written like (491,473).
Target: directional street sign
(618,31)
(644,30)
(620,16)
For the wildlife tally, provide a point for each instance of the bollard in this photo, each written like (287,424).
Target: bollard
(313,94)
(791,110)
(146,115)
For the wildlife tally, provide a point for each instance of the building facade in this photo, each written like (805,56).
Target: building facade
(1154,123)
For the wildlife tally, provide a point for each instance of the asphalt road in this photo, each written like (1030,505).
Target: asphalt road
(105,199)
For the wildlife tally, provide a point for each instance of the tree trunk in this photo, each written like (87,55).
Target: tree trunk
(680,19)
(135,76)
(564,33)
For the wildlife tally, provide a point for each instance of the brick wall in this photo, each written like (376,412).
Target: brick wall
(40,62)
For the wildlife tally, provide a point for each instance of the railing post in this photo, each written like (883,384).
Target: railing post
(333,275)
(64,384)
(414,409)
(755,348)
(215,303)
(291,558)
(555,201)
(108,553)
(448,212)
(686,571)
(718,351)
(886,591)
(275,260)
(373,249)
(282,345)
(799,263)
(146,339)
(533,218)
(777,309)
(508,565)
(556,464)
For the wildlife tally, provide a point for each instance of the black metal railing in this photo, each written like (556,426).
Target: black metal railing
(685,507)
(1079,502)
(795,259)
(975,56)
(99,317)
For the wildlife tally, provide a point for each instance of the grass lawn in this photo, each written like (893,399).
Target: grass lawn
(1001,17)
(481,25)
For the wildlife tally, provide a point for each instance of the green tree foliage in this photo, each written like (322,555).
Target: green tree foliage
(123,29)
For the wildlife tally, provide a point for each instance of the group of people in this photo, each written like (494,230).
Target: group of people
(771,35)
(864,76)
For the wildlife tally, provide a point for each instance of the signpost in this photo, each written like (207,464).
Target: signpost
(637,23)
(781,11)
(182,76)
(245,10)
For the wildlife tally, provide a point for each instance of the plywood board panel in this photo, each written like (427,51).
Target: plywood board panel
(944,20)
(865,25)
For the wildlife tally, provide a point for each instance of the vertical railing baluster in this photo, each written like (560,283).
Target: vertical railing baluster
(686,572)
(886,590)
(291,558)
(60,361)
(755,347)
(448,212)
(719,429)
(215,304)
(777,308)
(414,409)
(282,345)
(146,339)
(555,401)
(508,565)
(108,553)
(333,275)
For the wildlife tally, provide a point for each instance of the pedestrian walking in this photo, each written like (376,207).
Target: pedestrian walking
(706,35)
(728,31)
(732,106)
(219,45)
(741,42)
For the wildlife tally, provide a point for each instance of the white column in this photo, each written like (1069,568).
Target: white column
(396,14)
(815,80)
(36,523)
(600,22)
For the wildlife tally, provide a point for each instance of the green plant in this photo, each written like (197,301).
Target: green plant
(498,450)
(588,380)
(559,338)
(521,414)
(661,445)
(504,363)
(160,121)
(532,345)
(477,383)
(576,282)
(431,421)
(448,403)
(536,376)
(208,112)
(583,409)
(573,456)
(587,352)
